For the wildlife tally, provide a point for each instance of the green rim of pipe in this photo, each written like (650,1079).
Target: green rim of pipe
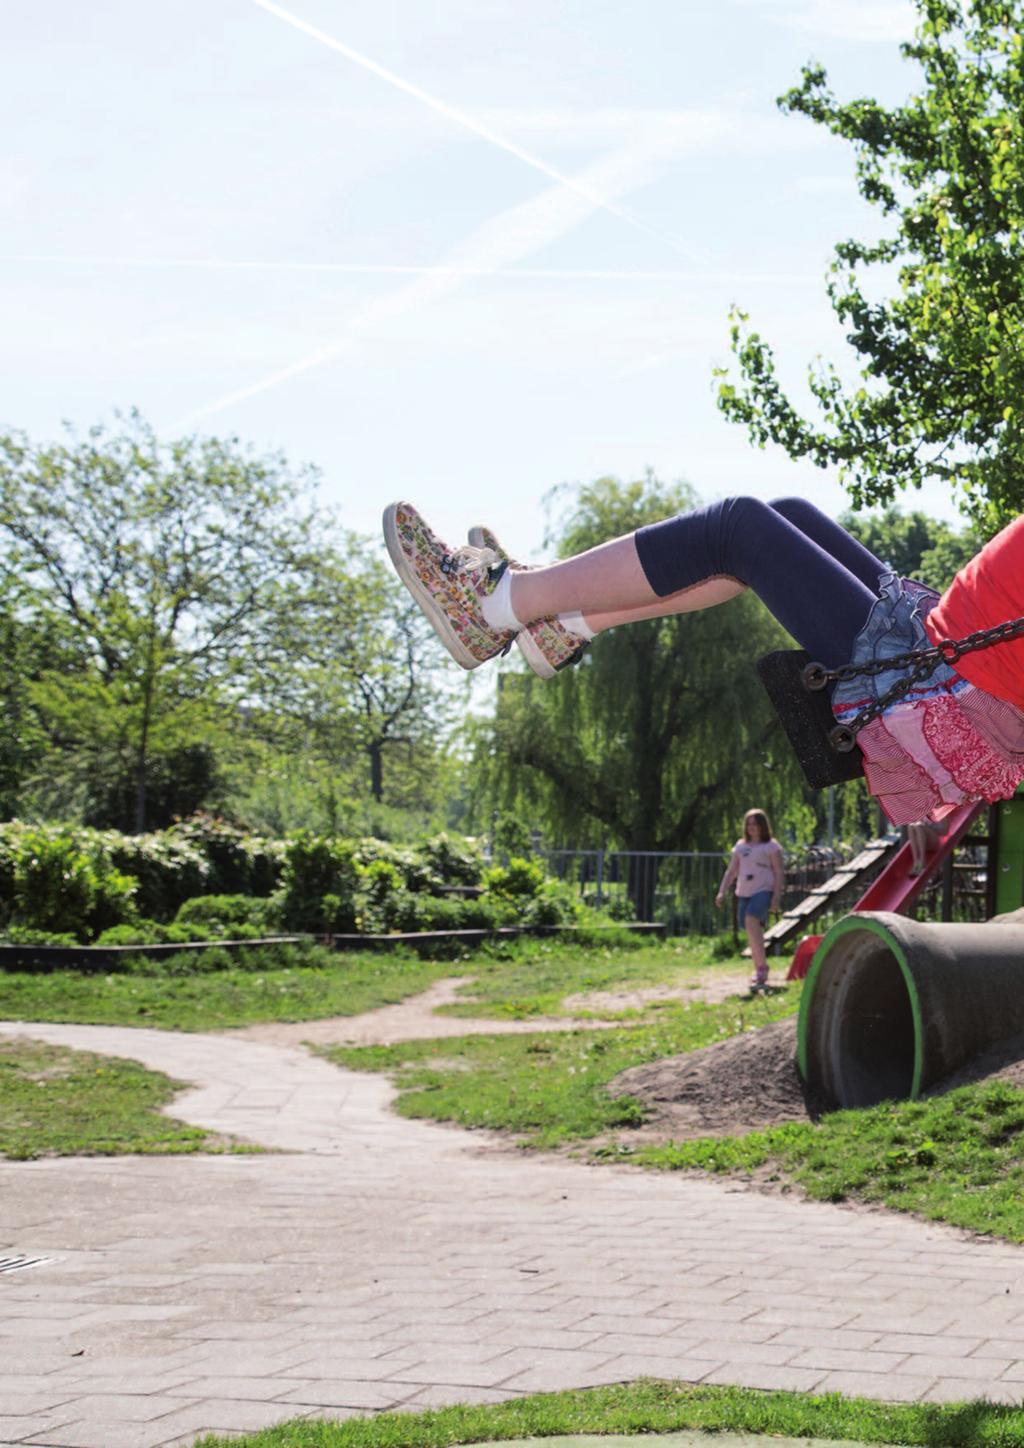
(874,927)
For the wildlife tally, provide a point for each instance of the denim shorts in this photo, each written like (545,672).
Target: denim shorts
(757,905)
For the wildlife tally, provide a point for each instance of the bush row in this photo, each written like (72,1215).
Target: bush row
(206,879)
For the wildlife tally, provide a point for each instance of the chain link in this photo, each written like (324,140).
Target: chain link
(922,662)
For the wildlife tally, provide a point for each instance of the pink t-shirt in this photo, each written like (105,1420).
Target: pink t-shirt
(754,866)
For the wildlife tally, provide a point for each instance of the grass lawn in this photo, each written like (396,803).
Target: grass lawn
(340,984)
(56,1102)
(954,1158)
(533,978)
(549,1088)
(653,1407)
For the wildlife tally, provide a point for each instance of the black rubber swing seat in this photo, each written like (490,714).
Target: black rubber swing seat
(807,718)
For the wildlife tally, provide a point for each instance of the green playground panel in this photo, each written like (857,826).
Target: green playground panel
(1009,862)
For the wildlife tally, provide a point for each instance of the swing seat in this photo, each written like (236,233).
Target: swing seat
(807,718)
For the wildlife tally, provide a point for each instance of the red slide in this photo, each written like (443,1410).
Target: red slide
(896,888)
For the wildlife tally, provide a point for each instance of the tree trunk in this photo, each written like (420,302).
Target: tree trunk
(376,771)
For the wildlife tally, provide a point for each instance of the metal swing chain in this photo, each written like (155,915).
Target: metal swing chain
(922,662)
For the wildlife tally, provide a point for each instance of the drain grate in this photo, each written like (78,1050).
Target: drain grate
(20,1262)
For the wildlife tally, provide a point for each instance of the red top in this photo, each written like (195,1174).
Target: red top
(989,590)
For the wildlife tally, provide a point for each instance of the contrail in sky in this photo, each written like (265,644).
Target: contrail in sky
(354,268)
(497,244)
(469,123)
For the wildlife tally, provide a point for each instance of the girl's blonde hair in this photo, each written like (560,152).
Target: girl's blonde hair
(759,818)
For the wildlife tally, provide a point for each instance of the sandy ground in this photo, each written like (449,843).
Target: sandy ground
(416,1019)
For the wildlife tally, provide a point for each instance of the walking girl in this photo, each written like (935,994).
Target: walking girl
(756,869)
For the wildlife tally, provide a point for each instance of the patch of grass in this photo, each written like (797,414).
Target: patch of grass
(654,1407)
(57,1102)
(339,984)
(550,1087)
(533,977)
(955,1158)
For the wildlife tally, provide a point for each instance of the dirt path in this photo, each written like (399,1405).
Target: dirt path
(415,1019)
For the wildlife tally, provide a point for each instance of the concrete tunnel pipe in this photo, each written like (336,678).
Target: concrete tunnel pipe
(892,1006)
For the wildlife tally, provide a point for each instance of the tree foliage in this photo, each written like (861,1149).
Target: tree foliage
(941,355)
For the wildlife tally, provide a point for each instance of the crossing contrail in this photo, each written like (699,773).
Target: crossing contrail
(355,268)
(468,123)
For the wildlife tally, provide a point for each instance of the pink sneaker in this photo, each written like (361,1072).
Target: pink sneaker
(546,644)
(448,584)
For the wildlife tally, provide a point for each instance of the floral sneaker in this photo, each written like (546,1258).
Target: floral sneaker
(546,644)
(448,584)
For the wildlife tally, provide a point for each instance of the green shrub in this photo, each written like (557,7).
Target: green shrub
(169,870)
(56,886)
(315,867)
(239,863)
(518,880)
(455,861)
(22,935)
(224,914)
(378,894)
(554,904)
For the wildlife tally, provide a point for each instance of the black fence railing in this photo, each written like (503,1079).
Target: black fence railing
(678,889)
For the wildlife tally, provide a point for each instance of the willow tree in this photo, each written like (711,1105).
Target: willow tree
(933,302)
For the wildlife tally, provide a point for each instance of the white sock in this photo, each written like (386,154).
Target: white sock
(496,607)
(577,624)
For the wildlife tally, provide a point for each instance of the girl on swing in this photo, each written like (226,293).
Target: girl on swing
(956,736)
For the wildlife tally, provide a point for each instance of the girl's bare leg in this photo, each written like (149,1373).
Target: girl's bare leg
(608,579)
(688,600)
(755,934)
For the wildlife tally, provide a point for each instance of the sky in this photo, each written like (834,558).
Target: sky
(453,251)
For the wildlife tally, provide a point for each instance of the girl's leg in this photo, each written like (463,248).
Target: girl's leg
(812,522)
(832,537)
(755,935)
(820,601)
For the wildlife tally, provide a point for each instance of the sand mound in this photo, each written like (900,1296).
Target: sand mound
(750,1082)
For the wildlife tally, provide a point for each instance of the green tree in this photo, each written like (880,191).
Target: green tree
(159,565)
(915,545)
(662,736)
(352,676)
(933,306)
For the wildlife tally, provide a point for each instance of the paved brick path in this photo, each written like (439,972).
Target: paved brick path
(378,1262)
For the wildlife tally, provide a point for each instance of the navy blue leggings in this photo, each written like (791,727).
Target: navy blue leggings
(816,579)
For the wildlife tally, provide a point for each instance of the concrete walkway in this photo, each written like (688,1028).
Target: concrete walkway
(377,1263)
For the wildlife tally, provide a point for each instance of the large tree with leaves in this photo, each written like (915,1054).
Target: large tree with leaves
(158,565)
(662,736)
(933,305)
(351,673)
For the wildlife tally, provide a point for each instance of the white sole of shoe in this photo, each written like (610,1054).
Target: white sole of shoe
(434,614)
(533,655)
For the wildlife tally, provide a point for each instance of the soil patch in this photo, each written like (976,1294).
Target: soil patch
(738,1085)
(751,1082)
(712,987)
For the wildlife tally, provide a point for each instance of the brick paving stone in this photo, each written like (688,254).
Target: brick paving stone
(847,1337)
(842,1359)
(953,1390)
(907,1342)
(921,1365)
(340,1393)
(766,1376)
(98,1433)
(380,1246)
(877,1385)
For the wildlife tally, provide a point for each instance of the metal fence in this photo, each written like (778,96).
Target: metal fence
(676,888)
(679,888)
